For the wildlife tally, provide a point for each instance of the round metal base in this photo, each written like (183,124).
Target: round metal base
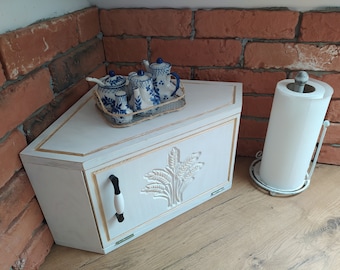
(254,171)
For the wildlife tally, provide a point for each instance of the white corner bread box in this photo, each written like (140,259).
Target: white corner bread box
(100,187)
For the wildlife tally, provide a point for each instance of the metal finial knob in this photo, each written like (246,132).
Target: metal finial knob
(301,79)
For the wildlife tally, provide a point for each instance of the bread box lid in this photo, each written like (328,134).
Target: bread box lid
(81,138)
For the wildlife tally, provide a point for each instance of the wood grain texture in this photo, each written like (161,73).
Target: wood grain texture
(243,228)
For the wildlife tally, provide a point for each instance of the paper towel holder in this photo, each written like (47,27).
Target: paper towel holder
(277,174)
(255,172)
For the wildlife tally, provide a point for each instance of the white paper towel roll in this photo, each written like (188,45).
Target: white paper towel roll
(293,129)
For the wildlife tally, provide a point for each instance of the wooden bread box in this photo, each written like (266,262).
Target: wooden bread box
(100,187)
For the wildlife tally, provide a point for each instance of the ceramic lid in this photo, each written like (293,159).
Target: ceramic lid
(140,75)
(160,64)
(114,80)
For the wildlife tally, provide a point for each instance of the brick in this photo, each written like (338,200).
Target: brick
(333,113)
(125,50)
(257,106)
(265,24)
(38,123)
(253,128)
(249,147)
(9,156)
(19,100)
(13,242)
(49,38)
(14,198)
(2,76)
(330,155)
(69,97)
(38,248)
(75,65)
(198,52)
(183,72)
(292,56)
(320,27)
(87,23)
(259,82)
(124,70)
(333,134)
(146,22)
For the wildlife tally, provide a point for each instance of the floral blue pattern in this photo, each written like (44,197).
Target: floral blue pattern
(144,82)
(108,102)
(161,75)
(121,107)
(112,84)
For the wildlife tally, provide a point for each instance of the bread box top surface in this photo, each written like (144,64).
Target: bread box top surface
(82,138)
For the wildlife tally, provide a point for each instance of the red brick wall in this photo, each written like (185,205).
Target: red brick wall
(255,47)
(43,66)
(42,70)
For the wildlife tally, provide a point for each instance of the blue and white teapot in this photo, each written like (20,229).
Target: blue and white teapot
(108,86)
(143,93)
(161,76)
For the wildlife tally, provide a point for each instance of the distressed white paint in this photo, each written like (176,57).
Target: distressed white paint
(70,173)
(16,13)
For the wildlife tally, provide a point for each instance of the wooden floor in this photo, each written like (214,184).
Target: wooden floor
(243,228)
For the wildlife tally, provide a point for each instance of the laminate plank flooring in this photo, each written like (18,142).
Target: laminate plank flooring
(242,228)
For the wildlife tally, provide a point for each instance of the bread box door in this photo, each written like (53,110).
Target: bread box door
(161,182)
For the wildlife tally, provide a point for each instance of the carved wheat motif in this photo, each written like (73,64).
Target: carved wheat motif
(169,183)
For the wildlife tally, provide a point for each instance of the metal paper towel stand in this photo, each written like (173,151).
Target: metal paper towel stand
(255,166)
(254,170)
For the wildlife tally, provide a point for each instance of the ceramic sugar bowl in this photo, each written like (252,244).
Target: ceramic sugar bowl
(161,75)
(107,87)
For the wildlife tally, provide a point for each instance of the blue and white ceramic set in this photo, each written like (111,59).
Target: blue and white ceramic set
(139,91)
